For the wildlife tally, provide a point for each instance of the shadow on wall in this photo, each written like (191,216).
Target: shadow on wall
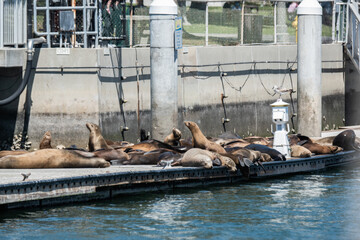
(10,81)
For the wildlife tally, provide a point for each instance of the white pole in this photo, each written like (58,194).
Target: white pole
(164,109)
(309,68)
(2,24)
(207,24)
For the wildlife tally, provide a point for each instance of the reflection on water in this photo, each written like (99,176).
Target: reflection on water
(322,205)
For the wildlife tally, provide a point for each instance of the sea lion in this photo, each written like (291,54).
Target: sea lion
(324,141)
(300,151)
(118,144)
(152,157)
(226,161)
(314,147)
(111,154)
(53,158)
(247,153)
(96,140)
(153,144)
(173,138)
(10,152)
(45,141)
(275,155)
(196,157)
(236,143)
(257,140)
(346,140)
(265,157)
(200,141)
(143,135)
(320,149)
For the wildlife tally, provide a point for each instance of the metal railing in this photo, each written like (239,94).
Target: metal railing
(353,33)
(13,23)
(51,21)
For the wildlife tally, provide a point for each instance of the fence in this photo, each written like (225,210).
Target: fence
(353,34)
(13,23)
(243,22)
(205,22)
(87,22)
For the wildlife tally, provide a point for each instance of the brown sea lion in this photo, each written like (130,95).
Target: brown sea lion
(187,143)
(321,149)
(266,157)
(200,141)
(8,152)
(173,138)
(314,147)
(300,151)
(324,141)
(45,141)
(96,140)
(145,158)
(112,154)
(226,161)
(153,144)
(53,158)
(257,140)
(118,144)
(236,143)
(247,153)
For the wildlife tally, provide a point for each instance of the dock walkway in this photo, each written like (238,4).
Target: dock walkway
(59,186)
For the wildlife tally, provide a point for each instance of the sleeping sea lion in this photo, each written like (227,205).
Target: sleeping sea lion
(300,151)
(112,154)
(200,141)
(53,158)
(153,144)
(257,140)
(152,157)
(4,153)
(45,141)
(275,155)
(96,140)
(196,157)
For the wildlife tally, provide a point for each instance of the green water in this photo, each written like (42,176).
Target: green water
(323,205)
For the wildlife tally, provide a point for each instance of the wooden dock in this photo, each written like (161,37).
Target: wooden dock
(46,187)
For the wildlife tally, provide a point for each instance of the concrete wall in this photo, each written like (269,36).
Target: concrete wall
(87,85)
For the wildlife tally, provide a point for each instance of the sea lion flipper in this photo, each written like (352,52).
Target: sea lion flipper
(84,154)
(248,162)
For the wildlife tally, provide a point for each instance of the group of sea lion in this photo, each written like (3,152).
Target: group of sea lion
(227,150)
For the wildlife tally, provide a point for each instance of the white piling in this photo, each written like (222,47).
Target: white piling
(309,68)
(163,67)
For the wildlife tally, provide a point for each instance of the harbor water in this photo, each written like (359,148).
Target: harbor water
(320,205)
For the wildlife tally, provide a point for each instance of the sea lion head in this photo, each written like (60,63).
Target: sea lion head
(190,124)
(230,164)
(265,157)
(92,127)
(177,133)
(45,141)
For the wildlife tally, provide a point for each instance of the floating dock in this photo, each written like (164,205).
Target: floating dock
(46,187)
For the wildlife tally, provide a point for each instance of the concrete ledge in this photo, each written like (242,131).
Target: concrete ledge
(12,57)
